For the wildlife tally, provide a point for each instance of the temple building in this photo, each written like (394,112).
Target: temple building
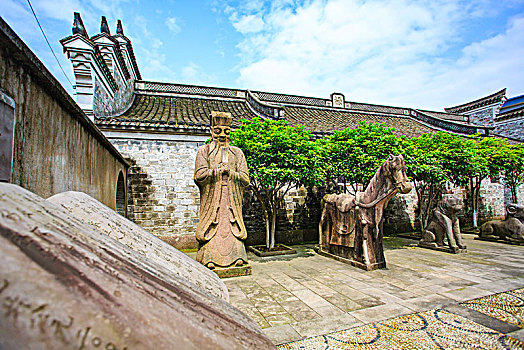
(158,127)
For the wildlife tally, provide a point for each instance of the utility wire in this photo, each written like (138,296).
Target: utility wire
(47,41)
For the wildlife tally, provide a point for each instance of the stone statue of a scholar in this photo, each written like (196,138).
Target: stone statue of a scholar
(221,174)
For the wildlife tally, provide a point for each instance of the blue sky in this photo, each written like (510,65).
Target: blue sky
(425,54)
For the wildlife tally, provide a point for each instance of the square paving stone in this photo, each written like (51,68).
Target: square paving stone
(282,334)
(381,312)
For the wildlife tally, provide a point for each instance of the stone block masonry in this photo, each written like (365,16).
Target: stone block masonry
(163,198)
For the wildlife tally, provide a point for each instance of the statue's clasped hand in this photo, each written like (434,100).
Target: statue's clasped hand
(223,168)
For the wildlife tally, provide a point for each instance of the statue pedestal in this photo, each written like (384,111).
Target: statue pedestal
(446,249)
(498,240)
(350,261)
(233,271)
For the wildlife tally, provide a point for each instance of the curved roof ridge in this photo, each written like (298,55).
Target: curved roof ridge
(484,101)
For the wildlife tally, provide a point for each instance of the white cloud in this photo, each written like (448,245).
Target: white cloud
(248,24)
(194,73)
(171,23)
(392,52)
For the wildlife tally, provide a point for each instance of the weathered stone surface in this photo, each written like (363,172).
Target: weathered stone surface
(65,285)
(351,227)
(171,262)
(233,271)
(511,229)
(444,226)
(221,175)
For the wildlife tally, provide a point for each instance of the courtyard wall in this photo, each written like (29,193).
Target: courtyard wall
(54,146)
(164,199)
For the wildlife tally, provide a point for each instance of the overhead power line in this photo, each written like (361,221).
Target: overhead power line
(47,41)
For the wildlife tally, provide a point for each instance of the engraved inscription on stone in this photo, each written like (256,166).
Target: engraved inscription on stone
(43,318)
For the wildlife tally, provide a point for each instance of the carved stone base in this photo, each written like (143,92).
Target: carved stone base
(262,253)
(233,271)
(498,240)
(351,261)
(415,236)
(446,249)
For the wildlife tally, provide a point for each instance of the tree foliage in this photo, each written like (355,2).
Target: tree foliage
(426,168)
(512,160)
(352,156)
(279,156)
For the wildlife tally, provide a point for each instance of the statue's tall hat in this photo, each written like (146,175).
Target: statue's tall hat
(221,118)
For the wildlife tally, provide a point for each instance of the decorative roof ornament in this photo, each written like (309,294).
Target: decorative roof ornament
(119,29)
(78,25)
(104,28)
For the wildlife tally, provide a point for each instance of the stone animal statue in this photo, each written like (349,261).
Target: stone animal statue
(510,229)
(351,226)
(444,224)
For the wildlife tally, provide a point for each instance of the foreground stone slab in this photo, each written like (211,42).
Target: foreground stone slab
(65,285)
(173,262)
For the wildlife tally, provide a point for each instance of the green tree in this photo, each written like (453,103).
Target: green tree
(470,161)
(352,156)
(425,167)
(512,160)
(279,156)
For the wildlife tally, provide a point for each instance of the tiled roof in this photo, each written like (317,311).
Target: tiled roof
(512,108)
(331,120)
(447,116)
(176,112)
(481,102)
(185,108)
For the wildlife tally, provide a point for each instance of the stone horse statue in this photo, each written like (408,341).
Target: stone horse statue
(350,226)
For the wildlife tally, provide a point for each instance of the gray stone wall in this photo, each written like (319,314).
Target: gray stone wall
(399,215)
(492,200)
(482,117)
(513,128)
(520,195)
(163,198)
(104,105)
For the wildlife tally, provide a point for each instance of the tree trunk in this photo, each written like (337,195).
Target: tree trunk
(513,190)
(420,209)
(266,214)
(475,194)
(273,228)
(268,236)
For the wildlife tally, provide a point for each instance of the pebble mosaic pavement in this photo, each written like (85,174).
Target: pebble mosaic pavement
(507,307)
(433,329)
(306,296)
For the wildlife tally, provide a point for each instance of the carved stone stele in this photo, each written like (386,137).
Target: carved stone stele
(444,227)
(65,285)
(171,262)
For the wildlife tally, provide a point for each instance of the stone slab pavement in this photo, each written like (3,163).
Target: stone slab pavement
(303,295)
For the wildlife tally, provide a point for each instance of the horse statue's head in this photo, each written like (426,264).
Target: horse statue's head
(396,172)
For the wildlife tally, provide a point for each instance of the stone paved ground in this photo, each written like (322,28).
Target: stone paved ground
(305,295)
